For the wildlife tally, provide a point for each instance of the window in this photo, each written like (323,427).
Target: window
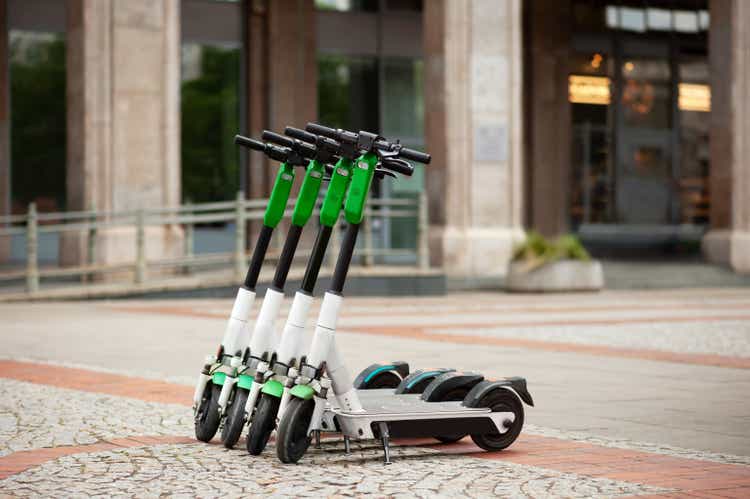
(210,119)
(38,120)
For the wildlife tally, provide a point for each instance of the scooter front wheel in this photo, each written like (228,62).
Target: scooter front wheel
(208,418)
(292,439)
(501,400)
(264,422)
(235,420)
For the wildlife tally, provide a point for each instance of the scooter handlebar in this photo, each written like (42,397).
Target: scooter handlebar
(300,134)
(249,143)
(269,136)
(411,154)
(317,129)
(303,149)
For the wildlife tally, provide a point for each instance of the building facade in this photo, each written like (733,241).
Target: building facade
(621,121)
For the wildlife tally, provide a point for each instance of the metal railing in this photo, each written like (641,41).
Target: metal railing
(88,224)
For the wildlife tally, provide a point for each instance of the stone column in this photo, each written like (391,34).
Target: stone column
(548,141)
(4,127)
(282,79)
(728,240)
(123,120)
(473,129)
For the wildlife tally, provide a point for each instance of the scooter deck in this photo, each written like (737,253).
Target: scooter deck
(409,416)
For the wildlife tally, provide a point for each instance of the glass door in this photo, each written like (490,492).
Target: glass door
(644,136)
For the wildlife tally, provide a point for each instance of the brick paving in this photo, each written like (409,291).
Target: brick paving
(112,428)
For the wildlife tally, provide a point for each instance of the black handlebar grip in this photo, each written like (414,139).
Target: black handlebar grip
(249,143)
(300,134)
(322,130)
(269,136)
(419,157)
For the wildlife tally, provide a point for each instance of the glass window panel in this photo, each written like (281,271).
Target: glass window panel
(613,17)
(410,5)
(632,19)
(348,92)
(38,120)
(704,20)
(694,197)
(210,119)
(592,179)
(646,93)
(659,19)
(685,21)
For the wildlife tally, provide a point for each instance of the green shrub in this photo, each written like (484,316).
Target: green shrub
(537,250)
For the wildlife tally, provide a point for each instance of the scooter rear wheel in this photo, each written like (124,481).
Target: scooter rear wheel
(453,395)
(501,400)
(292,439)
(263,424)
(235,419)
(208,418)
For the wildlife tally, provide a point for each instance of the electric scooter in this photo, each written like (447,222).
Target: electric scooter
(209,389)
(491,411)
(260,347)
(278,377)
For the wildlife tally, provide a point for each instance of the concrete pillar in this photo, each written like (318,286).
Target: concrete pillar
(473,129)
(123,63)
(282,78)
(548,127)
(728,240)
(4,127)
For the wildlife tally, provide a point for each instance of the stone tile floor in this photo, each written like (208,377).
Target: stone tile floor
(98,405)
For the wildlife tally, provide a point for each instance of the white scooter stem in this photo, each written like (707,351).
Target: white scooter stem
(324,348)
(236,335)
(263,339)
(291,344)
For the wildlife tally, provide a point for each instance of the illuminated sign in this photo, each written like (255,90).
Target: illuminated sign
(694,97)
(596,90)
(588,89)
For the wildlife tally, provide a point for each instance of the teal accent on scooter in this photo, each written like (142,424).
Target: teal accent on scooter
(245,381)
(218,378)
(303,392)
(378,371)
(420,377)
(273,387)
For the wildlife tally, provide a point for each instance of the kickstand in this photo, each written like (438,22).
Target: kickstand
(386,444)
(347,445)
(317,439)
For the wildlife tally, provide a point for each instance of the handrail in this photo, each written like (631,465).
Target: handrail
(89,224)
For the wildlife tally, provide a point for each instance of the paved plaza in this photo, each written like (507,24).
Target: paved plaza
(637,393)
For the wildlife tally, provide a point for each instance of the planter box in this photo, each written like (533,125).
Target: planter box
(564,275)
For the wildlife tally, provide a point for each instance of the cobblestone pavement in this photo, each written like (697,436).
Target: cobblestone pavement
(637,393)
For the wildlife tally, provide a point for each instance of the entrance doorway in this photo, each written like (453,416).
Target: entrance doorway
(639,94)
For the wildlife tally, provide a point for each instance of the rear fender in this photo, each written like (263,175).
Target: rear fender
(417,381)
(517,384)
(368,374)
(447,382)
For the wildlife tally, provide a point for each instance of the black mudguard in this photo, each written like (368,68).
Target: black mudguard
(517,384)
(417,381)
(447,382)
(399,367)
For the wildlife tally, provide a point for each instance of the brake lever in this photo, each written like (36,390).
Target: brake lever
(381,173)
